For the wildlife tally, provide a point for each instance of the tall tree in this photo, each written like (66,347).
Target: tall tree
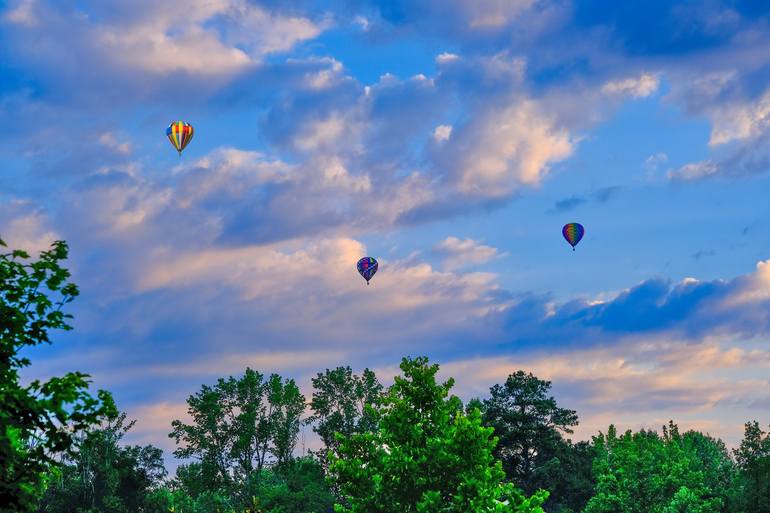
(104,475)
(753,460)
(287,407)
(38,422)
(426,456)
(339,405)
(238,424)
(529,424)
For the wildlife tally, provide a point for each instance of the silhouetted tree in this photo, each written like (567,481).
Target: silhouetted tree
(529,425)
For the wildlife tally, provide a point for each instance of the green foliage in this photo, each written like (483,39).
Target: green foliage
(567,475)
(529,425)
(38,421)
(294,486)
(105,476)
(753,480)
(427,455)
(237,425)
(642,472)
(339,405)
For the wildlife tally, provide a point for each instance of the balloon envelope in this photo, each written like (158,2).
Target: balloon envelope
(367,266)
(180,134)
(573,232)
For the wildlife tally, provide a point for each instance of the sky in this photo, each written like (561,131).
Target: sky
(451,140)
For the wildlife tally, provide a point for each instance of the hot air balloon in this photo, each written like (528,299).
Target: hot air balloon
(573,232)
(180,134)
(367,266)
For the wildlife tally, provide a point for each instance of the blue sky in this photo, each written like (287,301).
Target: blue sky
(451,140)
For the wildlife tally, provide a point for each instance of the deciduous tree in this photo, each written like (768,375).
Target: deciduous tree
(642,472)
(104,475)
(339,405)
(427,455)
(237,426)
(38,422)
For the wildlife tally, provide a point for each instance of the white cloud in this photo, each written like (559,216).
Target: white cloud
(720,96)
(110,140)
(740,120)
(208,38)
(228,171)
(506,148)
(326,77)
(445,57)
(693,171)
(442,133)
(754,287)
(362,22)
(120,209)
(653,162)
(320,133)
(639,383)
(319,277)
(24,227)
(485,14)
(150,49)
(461,252)
(336,175)
(638,87)
(263,32)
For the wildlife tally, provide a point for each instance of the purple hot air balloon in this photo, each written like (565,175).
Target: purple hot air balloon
(367,266)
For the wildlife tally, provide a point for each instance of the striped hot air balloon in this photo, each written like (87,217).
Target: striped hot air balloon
(180,134)
(573,232)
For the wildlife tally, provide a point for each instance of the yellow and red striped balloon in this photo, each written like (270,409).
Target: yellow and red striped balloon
(180,134)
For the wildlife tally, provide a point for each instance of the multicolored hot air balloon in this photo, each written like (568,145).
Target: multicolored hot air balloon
(573,232)
(180,134)
(367,266)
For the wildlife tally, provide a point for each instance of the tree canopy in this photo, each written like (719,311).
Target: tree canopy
(427,455)
(38,422)
(644,471)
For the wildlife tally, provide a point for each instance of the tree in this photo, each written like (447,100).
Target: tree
(296,485)
(426,456)
(238,424)
(287,406)
(340,403)
(642,472)
(568,476)
(753,460)
(719,471)
(105,476)
(530,424)
(38,422)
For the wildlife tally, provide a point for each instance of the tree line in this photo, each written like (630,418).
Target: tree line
(411,447)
